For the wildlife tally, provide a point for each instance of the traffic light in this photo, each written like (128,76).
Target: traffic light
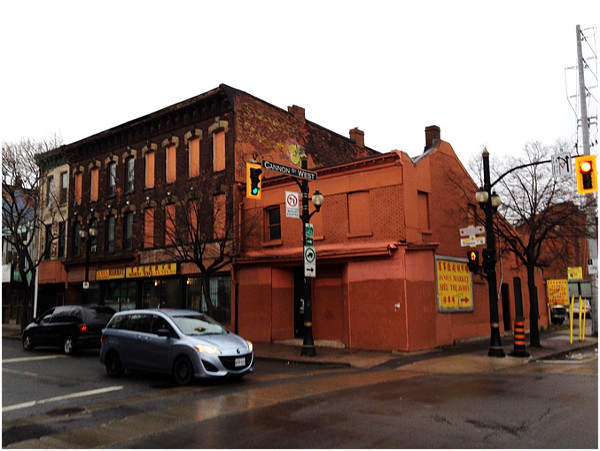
(253,180)
(587,178)
(473,261)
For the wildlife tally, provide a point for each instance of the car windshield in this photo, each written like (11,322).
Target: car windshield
(198,325)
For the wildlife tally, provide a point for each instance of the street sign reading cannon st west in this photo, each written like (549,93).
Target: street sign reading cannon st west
(289,170)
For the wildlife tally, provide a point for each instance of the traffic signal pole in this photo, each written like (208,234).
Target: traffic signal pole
(489,264)
(308,344)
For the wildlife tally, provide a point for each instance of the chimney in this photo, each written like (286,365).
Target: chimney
(432,136)
(358,136)
(297,112)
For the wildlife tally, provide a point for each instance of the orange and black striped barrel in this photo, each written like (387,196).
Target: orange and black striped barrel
(519,338)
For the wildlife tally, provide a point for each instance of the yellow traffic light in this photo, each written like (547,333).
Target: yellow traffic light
(587,177)
(253,180)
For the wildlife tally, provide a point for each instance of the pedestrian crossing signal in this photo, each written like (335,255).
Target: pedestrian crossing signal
(253,180)
(587,178)
(473,261)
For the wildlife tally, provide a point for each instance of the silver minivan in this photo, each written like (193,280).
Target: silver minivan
(184,343)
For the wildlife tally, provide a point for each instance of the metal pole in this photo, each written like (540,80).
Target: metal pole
(308,345)
(585,131)
(87,268)
(489,264)
(585,136)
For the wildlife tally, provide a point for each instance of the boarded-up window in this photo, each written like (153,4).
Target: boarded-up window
(78,188)
(219,215)
(149,228)
(171,163)
(149,173)
(358,213)
(94,174)
(219,151)
(194,157)
(170,222)
(423,209)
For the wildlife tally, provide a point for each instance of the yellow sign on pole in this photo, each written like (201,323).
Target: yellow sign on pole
(558,292)
(575,272)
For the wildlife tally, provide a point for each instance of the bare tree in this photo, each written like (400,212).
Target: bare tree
(199,227)
(21,209)
(541,211)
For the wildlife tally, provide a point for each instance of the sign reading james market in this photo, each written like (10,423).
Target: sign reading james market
(454,287)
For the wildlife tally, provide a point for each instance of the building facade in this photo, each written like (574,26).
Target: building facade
(52,238)
(391,272)
(133,188)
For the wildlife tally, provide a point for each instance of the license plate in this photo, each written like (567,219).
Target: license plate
(241,361)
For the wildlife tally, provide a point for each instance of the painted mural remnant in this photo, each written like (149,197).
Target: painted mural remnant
(295,152)
(454,285)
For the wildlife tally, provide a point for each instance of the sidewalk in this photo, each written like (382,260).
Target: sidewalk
(461,357)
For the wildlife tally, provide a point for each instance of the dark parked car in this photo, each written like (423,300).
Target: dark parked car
(184,343)
(71,327)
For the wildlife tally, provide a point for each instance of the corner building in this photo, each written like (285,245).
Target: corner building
(131,186)
(391,273)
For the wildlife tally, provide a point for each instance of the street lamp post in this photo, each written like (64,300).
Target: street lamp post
(308,344)
(87,235)
(489,202)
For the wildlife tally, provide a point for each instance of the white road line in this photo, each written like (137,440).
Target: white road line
(31,359)
(82,394)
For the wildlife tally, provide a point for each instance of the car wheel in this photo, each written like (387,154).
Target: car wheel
(69,345)
(183,371)
(114,368)
(27,342)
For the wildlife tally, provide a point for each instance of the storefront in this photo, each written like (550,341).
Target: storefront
(160,286)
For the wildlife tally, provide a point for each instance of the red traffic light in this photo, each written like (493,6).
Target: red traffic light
(587,179)
(585,166)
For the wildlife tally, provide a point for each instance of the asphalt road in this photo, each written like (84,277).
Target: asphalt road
(545,404)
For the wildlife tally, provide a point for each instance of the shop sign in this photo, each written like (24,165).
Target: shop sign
(575,272)
(558,292)
(454,285)
(165,269)
(110,274)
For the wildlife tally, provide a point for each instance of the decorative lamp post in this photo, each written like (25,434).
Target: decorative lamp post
(489,202)
(87,235)
(308,344)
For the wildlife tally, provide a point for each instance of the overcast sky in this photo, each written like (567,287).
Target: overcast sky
(487,73)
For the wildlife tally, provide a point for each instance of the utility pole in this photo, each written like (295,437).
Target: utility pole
(585,136)
(585,126)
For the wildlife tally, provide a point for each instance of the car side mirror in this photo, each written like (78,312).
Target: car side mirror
(164,333)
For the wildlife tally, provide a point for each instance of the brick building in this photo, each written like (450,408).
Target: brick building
(391,272)
(132,187)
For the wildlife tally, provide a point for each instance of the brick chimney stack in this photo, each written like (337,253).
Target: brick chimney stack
(298,112)
(432,136)
(358,136)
